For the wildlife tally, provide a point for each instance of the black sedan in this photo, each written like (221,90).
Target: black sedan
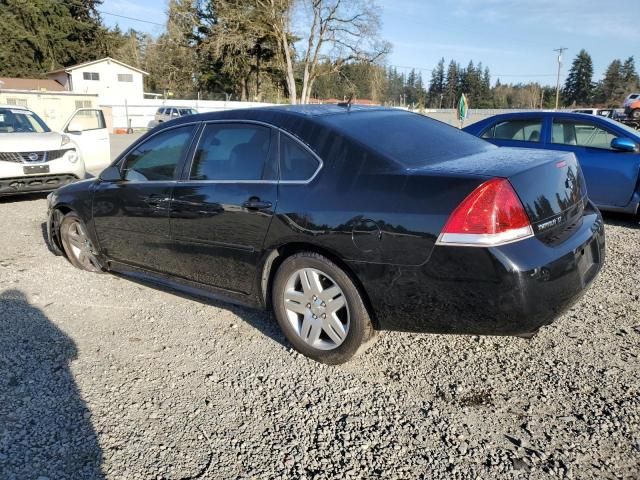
(344,220)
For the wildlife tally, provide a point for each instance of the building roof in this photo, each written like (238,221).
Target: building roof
(7,83)
(105,59)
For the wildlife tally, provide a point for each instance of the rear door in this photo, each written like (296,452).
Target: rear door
(222,209)
(88,130)
(516,132)
(131,216)
(611,175)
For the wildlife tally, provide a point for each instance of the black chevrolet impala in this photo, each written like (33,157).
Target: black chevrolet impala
(344,220)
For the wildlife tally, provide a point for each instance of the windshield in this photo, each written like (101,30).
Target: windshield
(21,121)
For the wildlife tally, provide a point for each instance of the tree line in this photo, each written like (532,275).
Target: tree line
(276,51)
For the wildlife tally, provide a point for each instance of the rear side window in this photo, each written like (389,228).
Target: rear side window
(296,162)
(156,159)
(232,152)
(410,139)
(524,130)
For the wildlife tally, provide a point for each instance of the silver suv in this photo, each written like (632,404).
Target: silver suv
(164,114)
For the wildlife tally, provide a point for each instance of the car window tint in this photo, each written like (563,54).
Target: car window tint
(296,162)
(525,130)
(583,134)
(156,159)
(232,152)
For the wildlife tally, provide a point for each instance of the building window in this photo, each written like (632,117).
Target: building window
(18,102)
(125,77)
(83,104)
(91,75)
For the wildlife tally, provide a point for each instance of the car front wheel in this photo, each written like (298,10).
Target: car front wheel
(320,309)
(77,244)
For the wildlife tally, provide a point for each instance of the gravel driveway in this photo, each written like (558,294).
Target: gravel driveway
(102,377)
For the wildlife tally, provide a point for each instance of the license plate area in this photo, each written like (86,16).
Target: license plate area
(35,169)
(588,258)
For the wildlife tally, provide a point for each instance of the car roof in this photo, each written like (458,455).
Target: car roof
(13,107)
(281,115)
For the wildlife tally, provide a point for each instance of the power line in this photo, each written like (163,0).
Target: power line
(131,18)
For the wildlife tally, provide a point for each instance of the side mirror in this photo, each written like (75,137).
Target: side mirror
(111,174)
(624,144)
(75,128)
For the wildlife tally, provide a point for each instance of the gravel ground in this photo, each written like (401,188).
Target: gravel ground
(101,377)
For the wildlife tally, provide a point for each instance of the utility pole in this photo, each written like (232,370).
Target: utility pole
(559,50)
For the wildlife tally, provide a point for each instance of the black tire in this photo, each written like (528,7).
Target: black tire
(360,333)
(635,114)
(78,248)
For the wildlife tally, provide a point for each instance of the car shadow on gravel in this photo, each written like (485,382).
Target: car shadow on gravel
(261,320)
(621,220)
(45,426)
(24,197)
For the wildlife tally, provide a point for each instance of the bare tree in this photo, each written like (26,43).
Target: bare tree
(335,33)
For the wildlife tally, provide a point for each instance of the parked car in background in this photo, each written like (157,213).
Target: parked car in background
(607,150)
(603,112)
(35,159)
(164,114)
(631,106)
(344,221)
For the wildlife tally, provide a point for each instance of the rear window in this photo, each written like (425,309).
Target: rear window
(410,139)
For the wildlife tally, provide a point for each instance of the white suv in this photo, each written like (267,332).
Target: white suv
(164,114)
(35,159)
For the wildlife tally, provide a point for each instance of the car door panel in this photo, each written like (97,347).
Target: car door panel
(221,212)
(217,236)
(87,128)
(131,216)
(611,175)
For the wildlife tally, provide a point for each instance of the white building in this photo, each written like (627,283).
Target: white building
(113,81)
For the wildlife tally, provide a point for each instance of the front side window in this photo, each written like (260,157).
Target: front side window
(156,159)
(91,76)
(580,133)
(296,162)
(524,130)
(233,152)
(84,120)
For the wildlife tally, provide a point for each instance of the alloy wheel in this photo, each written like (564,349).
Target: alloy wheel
(316,308)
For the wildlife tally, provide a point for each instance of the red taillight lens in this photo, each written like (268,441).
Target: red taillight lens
(491,215)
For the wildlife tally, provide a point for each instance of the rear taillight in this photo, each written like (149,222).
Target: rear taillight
(491,215)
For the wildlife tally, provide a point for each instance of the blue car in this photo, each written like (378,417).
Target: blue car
(608,151)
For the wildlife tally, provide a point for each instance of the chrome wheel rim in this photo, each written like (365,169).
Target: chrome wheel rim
(316,308)
(81,247)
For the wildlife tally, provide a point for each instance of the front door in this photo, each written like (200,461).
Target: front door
(611,175)
(131,216)
(222,210)
(88,130)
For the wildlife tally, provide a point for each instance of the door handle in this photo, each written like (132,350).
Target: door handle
(254,203)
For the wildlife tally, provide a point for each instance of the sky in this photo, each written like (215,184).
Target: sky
(514,38)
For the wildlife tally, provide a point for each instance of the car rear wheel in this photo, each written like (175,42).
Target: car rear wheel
(77,245)
(320,309)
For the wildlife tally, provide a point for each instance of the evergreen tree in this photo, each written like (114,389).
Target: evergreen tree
(451,85)
(436,86)
(41,35)
(612,85)
(578,88)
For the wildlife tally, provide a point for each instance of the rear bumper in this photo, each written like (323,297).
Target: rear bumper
(509,290)
(34,183)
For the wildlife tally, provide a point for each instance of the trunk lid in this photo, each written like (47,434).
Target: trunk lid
(550,184)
